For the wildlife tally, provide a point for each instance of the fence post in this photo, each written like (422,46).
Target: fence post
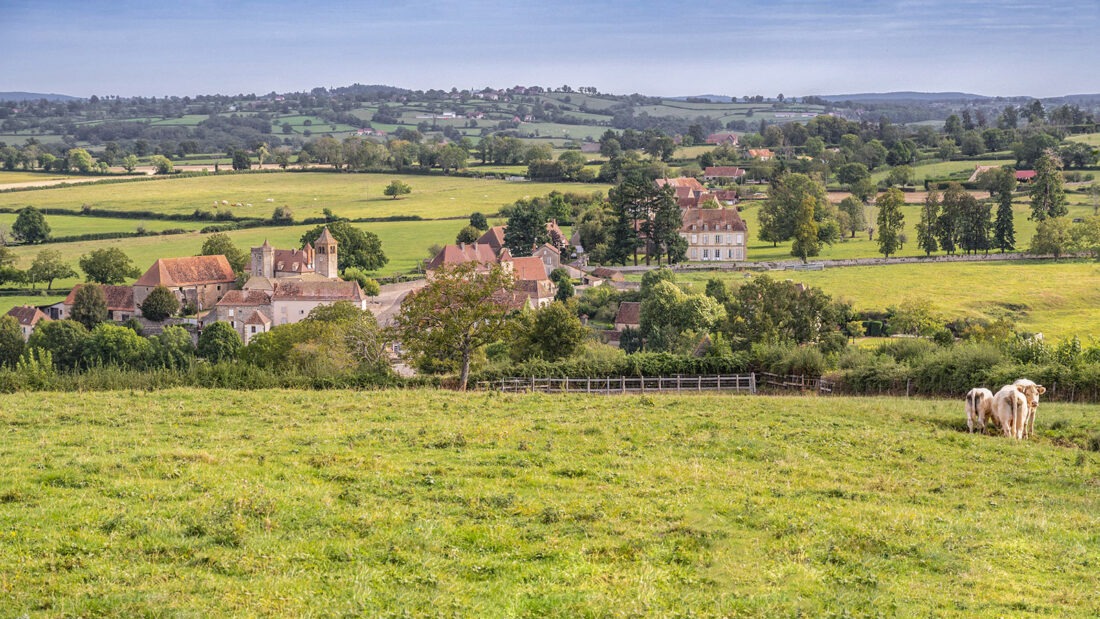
(907,381)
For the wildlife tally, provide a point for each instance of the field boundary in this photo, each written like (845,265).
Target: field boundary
(608,385)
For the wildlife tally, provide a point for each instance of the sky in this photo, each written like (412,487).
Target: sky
(670,48)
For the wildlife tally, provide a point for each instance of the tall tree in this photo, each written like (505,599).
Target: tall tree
(779,213)
(806,243)
(90,305)
(526,228)
(949,223)
(355,247)
(890,220)
(219,342)
(160,304)
(456,313)
(1048,193)
(11,341)
(856,219)
(662,230)
(634,201)
(30,226)
(926,227)
(1001,183)
(974,224)
(48,266)
(108,265)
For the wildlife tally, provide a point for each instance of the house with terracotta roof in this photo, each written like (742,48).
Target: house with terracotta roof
(28,318)
(628,316)
(763,154)
(494,238)
(200,281)
(1025,176)
(723,138)
(550,256)
(725,173)
(714,234)
(532,280)
(120,303)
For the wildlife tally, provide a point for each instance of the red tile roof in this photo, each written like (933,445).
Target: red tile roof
(1025,175)
(27,315)
(724,171)
(715,219)
(529,268)
(683,181)
(257,318)
(292,261)
(481,253)
(493,237)
(246,297)
(722,138)
(118,297)
(188,271)
(630,313)
(762,153)
(332,290)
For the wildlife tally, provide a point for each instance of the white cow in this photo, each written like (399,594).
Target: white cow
(979,406)
(1009,408)
(1032,392)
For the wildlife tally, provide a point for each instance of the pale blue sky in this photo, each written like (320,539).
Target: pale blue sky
(797,47)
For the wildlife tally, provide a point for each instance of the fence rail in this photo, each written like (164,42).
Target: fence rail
(739,383)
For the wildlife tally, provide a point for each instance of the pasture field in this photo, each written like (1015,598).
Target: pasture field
(957,170)
(306,193)
(31,177)
(428,503)
(68,225)
(1060,299)
(1092,139)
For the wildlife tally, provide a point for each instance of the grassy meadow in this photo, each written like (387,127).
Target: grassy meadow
(1060,299)
(306,193)
(427,503)
(7,177)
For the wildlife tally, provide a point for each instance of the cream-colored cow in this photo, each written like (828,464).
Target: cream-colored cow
(979,406)
(1031,391)
(1009,409)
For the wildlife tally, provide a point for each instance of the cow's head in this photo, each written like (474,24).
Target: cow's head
(1032,393)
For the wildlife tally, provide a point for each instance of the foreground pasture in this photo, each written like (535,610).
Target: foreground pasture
(427,503)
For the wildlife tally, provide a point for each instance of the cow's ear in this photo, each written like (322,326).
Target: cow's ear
(1042,390)
(1020,388)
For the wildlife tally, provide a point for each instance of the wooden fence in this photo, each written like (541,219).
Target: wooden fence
(737,383)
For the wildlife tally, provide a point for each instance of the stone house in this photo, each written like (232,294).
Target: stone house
(200,281)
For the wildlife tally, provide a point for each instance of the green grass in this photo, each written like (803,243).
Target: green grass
(307,194)
(30,177)
(1059,299)
(957,170)
(68,225)
(280,503)
(1092,139)
(8,302)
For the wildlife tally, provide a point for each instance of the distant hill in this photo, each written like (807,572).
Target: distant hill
(880,97)
(33,96)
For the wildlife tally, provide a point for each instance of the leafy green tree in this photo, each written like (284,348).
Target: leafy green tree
(114,345)
(479,221)
(669,317)
(30,226)
(1048,193)
(778,214)
(806,243)
(219,243)
(397,188)
(369,286)
(551,333)
(455,314)
(89,305)
(160,304)
(171,348)
(767,311)
(162,164)
(130,163)
(650,279)
(949,224)
(1053,235)
(891,221)
(64,339)
(974,224)
(355,247)
(900,175)
(718,290)
(662,230)
(851,173)
(565,291)
(526,228)
(11,341)
(219,342)
(853,207)
(469,234)
(48,266)
(241,160)
(926,227)
(108,265)
(79,160)
(8,270)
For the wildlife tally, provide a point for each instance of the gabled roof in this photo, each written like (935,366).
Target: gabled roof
(683,181)
(257,318)
(630,313)
(325,238)
(724,171)
(1025,175)
(722,137)
(118,297)
(450,255)
(27,315)
(529,268)
(188,271)
(292,261)
(493,237)
(716,219)
(606,273)
(762,153)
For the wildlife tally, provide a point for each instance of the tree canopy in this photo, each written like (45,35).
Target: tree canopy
(355,247)
(30,226)
(108,265)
